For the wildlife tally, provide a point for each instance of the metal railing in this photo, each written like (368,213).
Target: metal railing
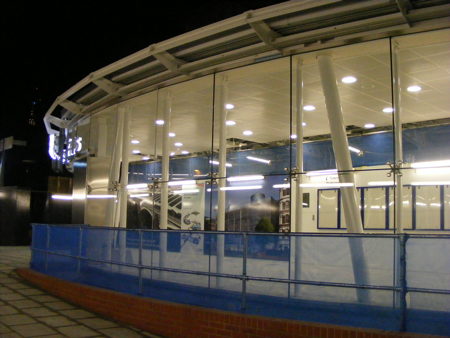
(263,263)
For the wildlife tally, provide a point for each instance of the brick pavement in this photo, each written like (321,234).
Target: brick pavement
(26,311)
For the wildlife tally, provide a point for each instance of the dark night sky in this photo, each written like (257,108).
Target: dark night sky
(48,46)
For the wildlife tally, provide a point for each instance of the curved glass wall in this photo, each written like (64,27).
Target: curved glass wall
(351,138)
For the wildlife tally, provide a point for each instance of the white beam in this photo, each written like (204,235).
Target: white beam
(71,106)
(265,33)
(108,86)
(169,61)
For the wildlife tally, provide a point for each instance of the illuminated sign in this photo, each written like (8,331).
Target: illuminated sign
(74,146)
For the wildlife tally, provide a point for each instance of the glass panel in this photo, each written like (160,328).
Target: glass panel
(446,207)
(65,240)
(328,211)
(376,212)
(423,67)
(428,207)
(255,100)
(99,179)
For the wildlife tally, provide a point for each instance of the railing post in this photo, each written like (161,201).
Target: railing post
(402,280)
(140,262)
(244,272)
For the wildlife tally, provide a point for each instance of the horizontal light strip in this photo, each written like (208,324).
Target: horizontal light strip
(229,165)
(443,163)
(185,182)
(322,172)
(140,195)
(186,191)
(382,183)
(278,186)
(137,186)
(257,159)
(62,197)
(245,178)
(326,185)
(355,150)
(431,183)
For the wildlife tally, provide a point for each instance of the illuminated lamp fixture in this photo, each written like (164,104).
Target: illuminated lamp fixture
(369,125)
(243,187)
(349,79)
(443,163)
(229,106)
(135,142)
(309,107)
(178,144)
(388,110)
(184,182)
(414,89)
(172,153)
(159,122)
(326,185)
(184,152)
(355,150)
(293,136)
(172,134)
(62,197)
(137,186)
(100,196)
(145,158)
(229,165)
(230,123)
(135,151)
(247,132)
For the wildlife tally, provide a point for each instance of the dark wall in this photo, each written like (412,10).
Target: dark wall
(15,226)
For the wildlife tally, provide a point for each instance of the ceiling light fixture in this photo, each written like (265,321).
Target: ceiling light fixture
(309,107)
(349,79)
(326,185)
(184,182)
(247,132)
(230,123)
(145,158)
(243,187)
(229,106)
(245,178)
(172,134)
(159,122)
(135,151)
(388,110)
(443,163)
(293,136)
(184,152)
(414,89)
(229,165)
(178,144)
(135,142)
(369,125)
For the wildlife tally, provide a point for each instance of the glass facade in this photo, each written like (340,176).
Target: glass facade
(352,138)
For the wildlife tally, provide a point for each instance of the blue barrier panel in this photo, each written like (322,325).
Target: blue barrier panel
(374,281)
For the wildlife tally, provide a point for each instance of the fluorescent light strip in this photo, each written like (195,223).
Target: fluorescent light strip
(322,172)
(326,185)
(443,163)
(257,159)
(140,195)
(245,178)
(431,183)
(137,186)
(355,150)
(62,197)
(229,165)
(186,191)
(278,186)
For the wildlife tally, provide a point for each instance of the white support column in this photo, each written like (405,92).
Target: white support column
(124,169)
(164,203)
(165,162)
(114,172)
(344,165)
(222,114)
(295,184)
(398,143)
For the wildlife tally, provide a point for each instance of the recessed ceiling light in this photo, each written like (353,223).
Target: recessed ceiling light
(303,124)
(145,158)
(247,132)
(369,126)
(293,136)
(135,141)
(414,89)
(135,151)
(388,110)
(185,152)
(172,134)
(172,153)
(309,107)
(229,106)
(159,122)
(178,144)
(230,123)
(349,79)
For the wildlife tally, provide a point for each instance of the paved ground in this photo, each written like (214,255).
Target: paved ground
(26,311)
